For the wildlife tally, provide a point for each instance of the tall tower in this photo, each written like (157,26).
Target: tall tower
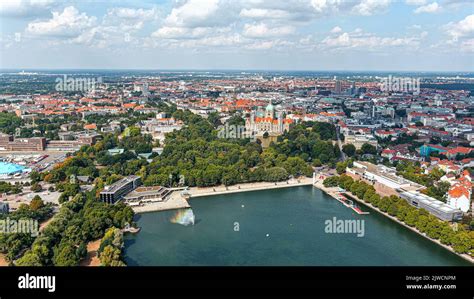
(338,88)
(280,121)
(269,110)
(252,121)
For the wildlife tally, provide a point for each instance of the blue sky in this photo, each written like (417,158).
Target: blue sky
(411,35)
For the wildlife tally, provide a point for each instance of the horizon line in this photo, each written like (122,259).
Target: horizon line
(230,69)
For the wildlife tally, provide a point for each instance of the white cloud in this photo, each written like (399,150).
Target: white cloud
(415,27)
(261,30)
(199,13)
(460,37)
(188,33)
(128,20)
(25,8)
(367,41)
(69,23)
(132,14)
(467,45)
(461,29)
(342,40)
(322,6)
(416,2)
(457,3)
(260,13)
(264,45)
(277,17)
(236,24)
(429,8)
(118,27)
(193,21)
(210,43)
(269,44)
(171,32)
(371,7)
(336,29)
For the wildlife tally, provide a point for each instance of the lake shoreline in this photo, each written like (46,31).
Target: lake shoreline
(329,192)
(176,201)
(284,227)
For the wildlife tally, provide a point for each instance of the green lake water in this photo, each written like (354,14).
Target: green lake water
(280,227)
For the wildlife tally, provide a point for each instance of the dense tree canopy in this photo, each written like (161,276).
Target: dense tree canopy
(461,239)
(9,122)
(349,149)
(83,219)
(196,154)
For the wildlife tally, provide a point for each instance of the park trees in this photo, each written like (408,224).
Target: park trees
(13,244)
(368,149)
(36,187)
(326,131)
(9,122)
(110,250)
(9,188)
(349,149)
(66,254)
(275,174)
(461,240)
(438,190)
(36,203)
(29,259)
(331,181)
(80,220)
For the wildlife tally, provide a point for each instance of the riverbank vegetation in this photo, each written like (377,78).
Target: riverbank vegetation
(110,250)
(14,244)
(193,156)
(64,241)
(458,236)
(196,154)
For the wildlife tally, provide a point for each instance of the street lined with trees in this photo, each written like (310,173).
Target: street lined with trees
(459,237)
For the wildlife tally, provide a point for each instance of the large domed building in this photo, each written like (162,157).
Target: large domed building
(268,120)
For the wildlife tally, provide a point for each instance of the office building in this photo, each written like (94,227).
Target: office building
(116,191)
(433,206)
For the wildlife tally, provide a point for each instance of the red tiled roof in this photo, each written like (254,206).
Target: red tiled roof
(458,190)
(460,150)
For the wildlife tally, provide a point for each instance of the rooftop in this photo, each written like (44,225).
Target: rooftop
(120,183)
(429,201)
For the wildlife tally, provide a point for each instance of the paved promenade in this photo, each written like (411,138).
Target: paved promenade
(176,201)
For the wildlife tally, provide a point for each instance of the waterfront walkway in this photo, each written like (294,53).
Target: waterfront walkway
(333,191)
(209,191)
(176,201)
(413,229)
(173,202)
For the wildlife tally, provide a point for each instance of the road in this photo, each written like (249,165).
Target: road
(339,143)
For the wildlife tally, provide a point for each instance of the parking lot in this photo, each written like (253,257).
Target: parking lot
(38,161)
(15,200)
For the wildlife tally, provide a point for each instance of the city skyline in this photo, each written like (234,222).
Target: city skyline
(318,35)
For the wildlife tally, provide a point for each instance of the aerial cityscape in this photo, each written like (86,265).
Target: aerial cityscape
(236,133)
